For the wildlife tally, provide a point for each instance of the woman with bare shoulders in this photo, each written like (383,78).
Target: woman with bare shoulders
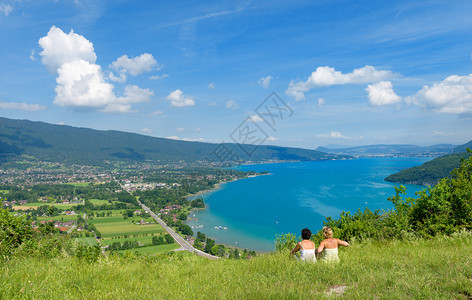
(306,247)
(329,246)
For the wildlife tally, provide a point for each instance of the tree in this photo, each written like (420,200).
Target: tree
(169,239)
(183,216)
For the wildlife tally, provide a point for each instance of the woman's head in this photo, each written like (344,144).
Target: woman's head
(306,234)
(327,232)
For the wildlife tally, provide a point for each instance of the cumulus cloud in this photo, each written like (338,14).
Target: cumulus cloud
(211,86)
(272,139)
(381,93)
(135,94)
(5,9)
(327,76)
(321,101)
(21,106)
(60,48)
(231,104)
(336,135)
(180,129)
(265,81)
(178,99)
(453,95)
(133,66)
(80,82)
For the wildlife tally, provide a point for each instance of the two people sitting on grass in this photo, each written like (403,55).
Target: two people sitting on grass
(327,251)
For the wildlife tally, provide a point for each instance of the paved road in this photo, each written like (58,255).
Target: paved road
(180,240)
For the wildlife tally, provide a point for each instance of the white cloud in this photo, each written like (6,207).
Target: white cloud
(265,81)
(60,48)
(321,101)
(272,139)
(174,137)
(442,133)
(32,55)
(381,93)
(146,130)
(197,129)
(453,95)
(211,86)
(231,104)
(327,76)
(5,9)
(21,106)
(178,99)
(157,77)
(156,113)
(135,94)
(336,135)
(180,129)
(134,66)
(80,82)
(256,119)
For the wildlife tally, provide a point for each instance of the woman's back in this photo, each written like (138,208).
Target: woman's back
(307,251)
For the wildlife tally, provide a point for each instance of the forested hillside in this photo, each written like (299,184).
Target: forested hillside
(430,172)
(62,143)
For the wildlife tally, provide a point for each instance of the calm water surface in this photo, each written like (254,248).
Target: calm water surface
(294,196)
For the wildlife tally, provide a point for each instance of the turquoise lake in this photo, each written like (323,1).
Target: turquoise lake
(294,196)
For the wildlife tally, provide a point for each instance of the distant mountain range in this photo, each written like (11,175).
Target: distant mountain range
(432,171)
(390,150)
(60,143)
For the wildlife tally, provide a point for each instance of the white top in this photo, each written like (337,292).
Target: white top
(307,254)
(330,255)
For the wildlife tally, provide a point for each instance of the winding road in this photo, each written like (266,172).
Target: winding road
(184,245)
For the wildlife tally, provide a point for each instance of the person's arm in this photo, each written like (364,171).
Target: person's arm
(343,243)
(296,249)
(320,248)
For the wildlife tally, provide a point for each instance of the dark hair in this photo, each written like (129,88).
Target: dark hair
(306,234)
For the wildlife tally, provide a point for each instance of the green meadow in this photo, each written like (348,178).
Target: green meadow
(64,218)
(153,249)
(88,241)
(437,268)
(58,205)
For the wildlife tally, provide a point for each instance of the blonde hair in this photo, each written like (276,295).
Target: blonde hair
(327,232)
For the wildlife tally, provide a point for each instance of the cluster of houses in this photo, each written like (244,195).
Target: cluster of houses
(13,203)
(61,225)
(131,187)
(169,208)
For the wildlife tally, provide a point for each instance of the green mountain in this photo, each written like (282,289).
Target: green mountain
(60,143)
(430,172)
(390,150)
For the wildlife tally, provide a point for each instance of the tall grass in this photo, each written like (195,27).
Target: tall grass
(440,268)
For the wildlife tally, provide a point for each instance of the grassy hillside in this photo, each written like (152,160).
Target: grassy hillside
(439,268)
(87,146)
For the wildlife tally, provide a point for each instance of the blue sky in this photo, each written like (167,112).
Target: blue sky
(352,73)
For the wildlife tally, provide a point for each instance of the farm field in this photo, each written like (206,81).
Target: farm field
(38,204)
(116,226)
(88,241)
(59,218)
